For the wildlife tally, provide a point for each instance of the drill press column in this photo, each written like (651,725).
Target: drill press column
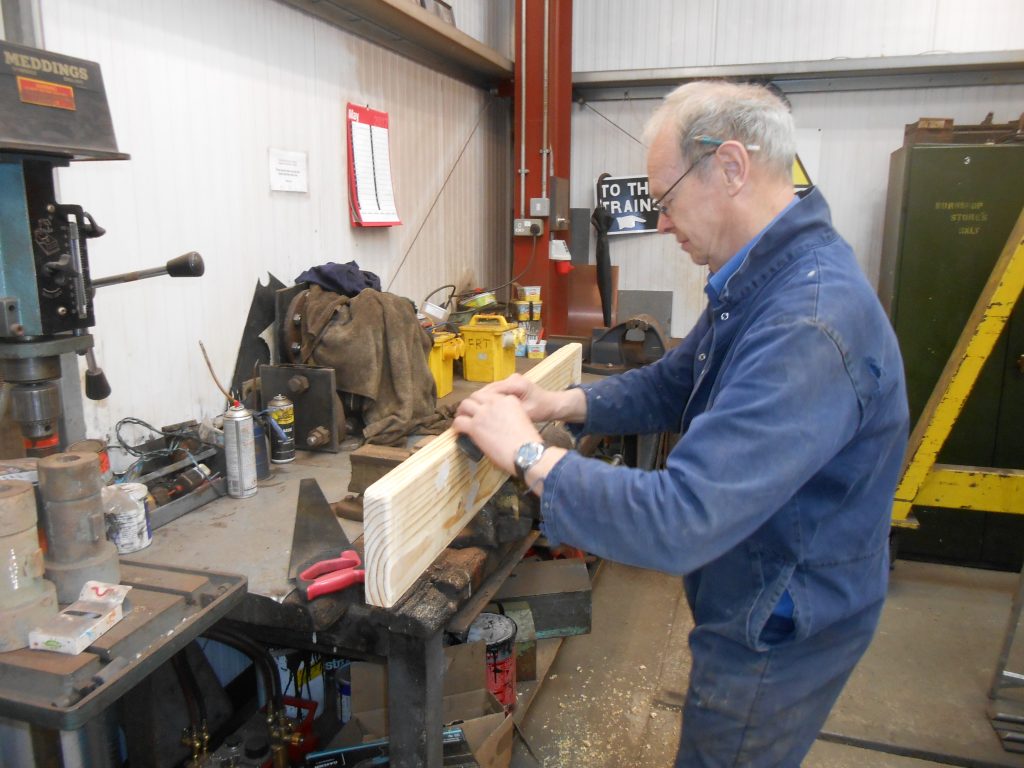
(77,548)
(26,599)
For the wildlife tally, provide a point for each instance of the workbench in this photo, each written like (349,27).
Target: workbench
(253,537)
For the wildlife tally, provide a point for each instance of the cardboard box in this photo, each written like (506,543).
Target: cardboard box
(98,608)
(526,640)
(455,753)
(467,705)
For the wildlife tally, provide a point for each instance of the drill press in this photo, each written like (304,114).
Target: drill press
(53,110)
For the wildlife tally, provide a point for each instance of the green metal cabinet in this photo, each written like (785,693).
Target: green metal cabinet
(950,210)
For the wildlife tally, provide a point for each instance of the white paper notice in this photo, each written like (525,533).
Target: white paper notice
(288,171)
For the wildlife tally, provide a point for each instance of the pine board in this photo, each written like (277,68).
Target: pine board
(412,513)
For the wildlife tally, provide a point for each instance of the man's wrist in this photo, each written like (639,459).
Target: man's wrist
(536,475)
(572,406)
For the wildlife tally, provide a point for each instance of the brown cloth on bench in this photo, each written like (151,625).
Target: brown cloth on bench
(379,351)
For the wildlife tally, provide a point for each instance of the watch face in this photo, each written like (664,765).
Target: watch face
(528,455)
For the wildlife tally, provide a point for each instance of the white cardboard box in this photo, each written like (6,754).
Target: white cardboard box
(98,608)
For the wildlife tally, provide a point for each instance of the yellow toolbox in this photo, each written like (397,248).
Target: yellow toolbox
(490,348)
(447,348)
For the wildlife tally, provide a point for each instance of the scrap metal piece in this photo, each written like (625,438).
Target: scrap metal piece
(72,516)
(26,599)
(319,413)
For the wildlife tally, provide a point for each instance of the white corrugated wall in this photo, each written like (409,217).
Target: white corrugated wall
(844,138)
(489,21)
(199,91)
(639,34)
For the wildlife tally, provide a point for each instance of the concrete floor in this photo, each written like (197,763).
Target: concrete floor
(918,698)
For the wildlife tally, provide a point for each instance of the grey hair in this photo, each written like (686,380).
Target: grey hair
(748,113)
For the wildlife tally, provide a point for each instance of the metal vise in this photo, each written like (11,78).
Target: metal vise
(636,342)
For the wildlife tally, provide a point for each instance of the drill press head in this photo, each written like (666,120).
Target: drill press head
(53,110)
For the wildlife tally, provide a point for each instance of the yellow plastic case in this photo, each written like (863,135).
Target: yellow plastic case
(447,347)
(490,348)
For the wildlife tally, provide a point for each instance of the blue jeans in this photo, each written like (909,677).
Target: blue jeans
(761,709)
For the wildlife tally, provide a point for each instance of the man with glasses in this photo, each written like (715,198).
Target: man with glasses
(789,398)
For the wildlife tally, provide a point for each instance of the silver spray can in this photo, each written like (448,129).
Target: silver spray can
(282,443)
(240,451)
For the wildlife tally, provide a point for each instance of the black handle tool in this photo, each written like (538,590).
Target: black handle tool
(465,442)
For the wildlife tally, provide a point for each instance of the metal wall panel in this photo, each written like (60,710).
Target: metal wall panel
(489,21)
(859,130)
(619,34)
(199,92)
(800,30)
(845,140)
(616,34)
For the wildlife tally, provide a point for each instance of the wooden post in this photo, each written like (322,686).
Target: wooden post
(412,513)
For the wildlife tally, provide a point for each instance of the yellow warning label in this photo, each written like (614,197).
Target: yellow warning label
(801,180)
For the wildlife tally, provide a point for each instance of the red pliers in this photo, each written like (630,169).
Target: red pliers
(329,576)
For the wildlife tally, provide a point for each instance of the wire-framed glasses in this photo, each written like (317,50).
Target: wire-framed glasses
(659,204)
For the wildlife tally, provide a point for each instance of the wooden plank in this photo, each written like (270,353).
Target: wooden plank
(50,662)
(370,463)
(411,514)
(415,33)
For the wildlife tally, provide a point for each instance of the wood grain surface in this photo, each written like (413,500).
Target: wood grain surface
(412,513)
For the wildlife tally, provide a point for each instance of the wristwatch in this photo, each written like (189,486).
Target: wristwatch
(528,455)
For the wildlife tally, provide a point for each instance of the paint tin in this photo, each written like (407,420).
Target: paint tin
(240,451)
(99,447)
(525,311)
(528,292)
(128,522)
(282,444)
(499,635)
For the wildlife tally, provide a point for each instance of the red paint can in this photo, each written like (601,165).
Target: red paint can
(499,635)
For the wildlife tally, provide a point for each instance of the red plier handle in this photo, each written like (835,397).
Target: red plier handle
(333,575)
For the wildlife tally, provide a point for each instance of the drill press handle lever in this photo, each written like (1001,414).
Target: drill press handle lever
(96,385)
(187,265)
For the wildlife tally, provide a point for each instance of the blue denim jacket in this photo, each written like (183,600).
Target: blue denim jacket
(790,398)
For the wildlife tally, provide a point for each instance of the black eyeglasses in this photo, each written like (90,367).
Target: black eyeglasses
(659,204)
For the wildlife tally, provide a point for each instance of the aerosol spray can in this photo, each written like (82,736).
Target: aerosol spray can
(282,442)
(240,451)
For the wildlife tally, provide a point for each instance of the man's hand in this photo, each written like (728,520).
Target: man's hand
(541,404)
(498,423)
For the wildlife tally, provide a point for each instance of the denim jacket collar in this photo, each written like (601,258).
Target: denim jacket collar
(807,224)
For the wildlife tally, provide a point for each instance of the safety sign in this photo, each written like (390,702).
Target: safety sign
(627,199)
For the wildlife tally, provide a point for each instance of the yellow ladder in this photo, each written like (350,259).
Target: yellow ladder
(925,483)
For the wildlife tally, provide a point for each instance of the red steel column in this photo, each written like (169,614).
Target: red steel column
(530,69)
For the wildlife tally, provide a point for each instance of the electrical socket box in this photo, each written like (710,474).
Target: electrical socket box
(559,251)
(525,227)
(540,206)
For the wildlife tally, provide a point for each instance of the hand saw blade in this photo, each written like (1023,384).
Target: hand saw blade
(318,535)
